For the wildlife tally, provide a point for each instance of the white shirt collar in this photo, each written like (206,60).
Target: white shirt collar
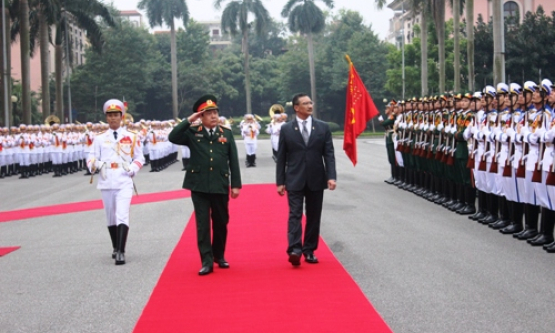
(308,121)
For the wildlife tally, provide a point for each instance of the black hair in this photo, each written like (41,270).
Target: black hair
(296,98)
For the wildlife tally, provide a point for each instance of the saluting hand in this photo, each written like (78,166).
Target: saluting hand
(194,116)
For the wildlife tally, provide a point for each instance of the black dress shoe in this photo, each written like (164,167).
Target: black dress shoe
(467,210)
(542,240)
(222,263)
(533,239)
(477,216)
(488,219)
(526,234)
(499,224)
(206,270)
(295,259)
(310,258)
(513,228)
(550,248)
(120,258)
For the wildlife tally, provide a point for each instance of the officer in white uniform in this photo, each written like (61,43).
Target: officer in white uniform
(118,155)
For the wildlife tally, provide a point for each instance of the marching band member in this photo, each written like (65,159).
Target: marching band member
(249,131)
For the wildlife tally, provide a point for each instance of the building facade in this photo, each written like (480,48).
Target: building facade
(132,16)
(402,25)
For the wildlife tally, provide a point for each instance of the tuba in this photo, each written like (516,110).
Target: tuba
(275,109)
(51,120)
(127,118)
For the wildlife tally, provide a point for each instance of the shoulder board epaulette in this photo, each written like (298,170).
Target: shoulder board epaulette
(101,132)
(226,127)
(132,132)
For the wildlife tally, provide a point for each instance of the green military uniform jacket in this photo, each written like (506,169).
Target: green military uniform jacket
(213,160)
(461,144)
(388,126)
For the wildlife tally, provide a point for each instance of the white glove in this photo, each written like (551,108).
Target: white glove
(380,118)
(133,169)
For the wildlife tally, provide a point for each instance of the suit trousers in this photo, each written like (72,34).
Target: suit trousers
(313,201)
(215,206)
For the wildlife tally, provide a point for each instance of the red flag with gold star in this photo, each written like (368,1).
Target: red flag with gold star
(359,110)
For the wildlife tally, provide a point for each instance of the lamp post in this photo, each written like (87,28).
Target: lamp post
(402,31)
(403,44)
(68,70)
(5,68)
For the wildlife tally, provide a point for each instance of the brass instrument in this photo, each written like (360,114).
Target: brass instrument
(51,120)
(258,118)
(276,109)
(127,118)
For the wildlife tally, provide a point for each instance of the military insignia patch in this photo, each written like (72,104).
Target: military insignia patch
(125,145)
(222,139)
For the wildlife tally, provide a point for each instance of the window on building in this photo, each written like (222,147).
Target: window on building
(215,32)
(510,8)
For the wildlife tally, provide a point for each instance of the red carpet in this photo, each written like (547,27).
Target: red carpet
(75,207)
(261,292)
(6,250)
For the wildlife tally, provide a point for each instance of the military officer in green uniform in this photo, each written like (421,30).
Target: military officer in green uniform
(212,164)
(389,145)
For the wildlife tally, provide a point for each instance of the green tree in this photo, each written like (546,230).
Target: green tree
(127,68)
(84,14)
(235,20)
(165,12)
(305,17)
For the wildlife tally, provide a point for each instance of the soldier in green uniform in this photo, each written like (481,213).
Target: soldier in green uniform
(465,191)
(388,127)
(213,162)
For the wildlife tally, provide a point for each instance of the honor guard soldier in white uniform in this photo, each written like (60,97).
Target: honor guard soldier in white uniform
(118,155)
(250,129)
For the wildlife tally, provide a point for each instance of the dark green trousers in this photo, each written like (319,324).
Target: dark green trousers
(209,206)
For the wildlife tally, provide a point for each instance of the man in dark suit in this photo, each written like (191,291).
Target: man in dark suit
(212,163)
(305,168)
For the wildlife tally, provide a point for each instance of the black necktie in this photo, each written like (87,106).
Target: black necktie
(115,135)
(211,133)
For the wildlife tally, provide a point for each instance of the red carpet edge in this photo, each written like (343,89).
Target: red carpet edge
(6,250)
(74,207)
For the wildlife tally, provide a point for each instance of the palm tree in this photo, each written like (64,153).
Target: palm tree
(439,21)
(457,6)
(24,38)
(165,12)
(82,13)
(470,42)
(305,17)
(46,10)
(235,19)
(6,21)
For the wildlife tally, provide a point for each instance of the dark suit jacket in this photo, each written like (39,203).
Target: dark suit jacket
(299,164)
(213,161)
